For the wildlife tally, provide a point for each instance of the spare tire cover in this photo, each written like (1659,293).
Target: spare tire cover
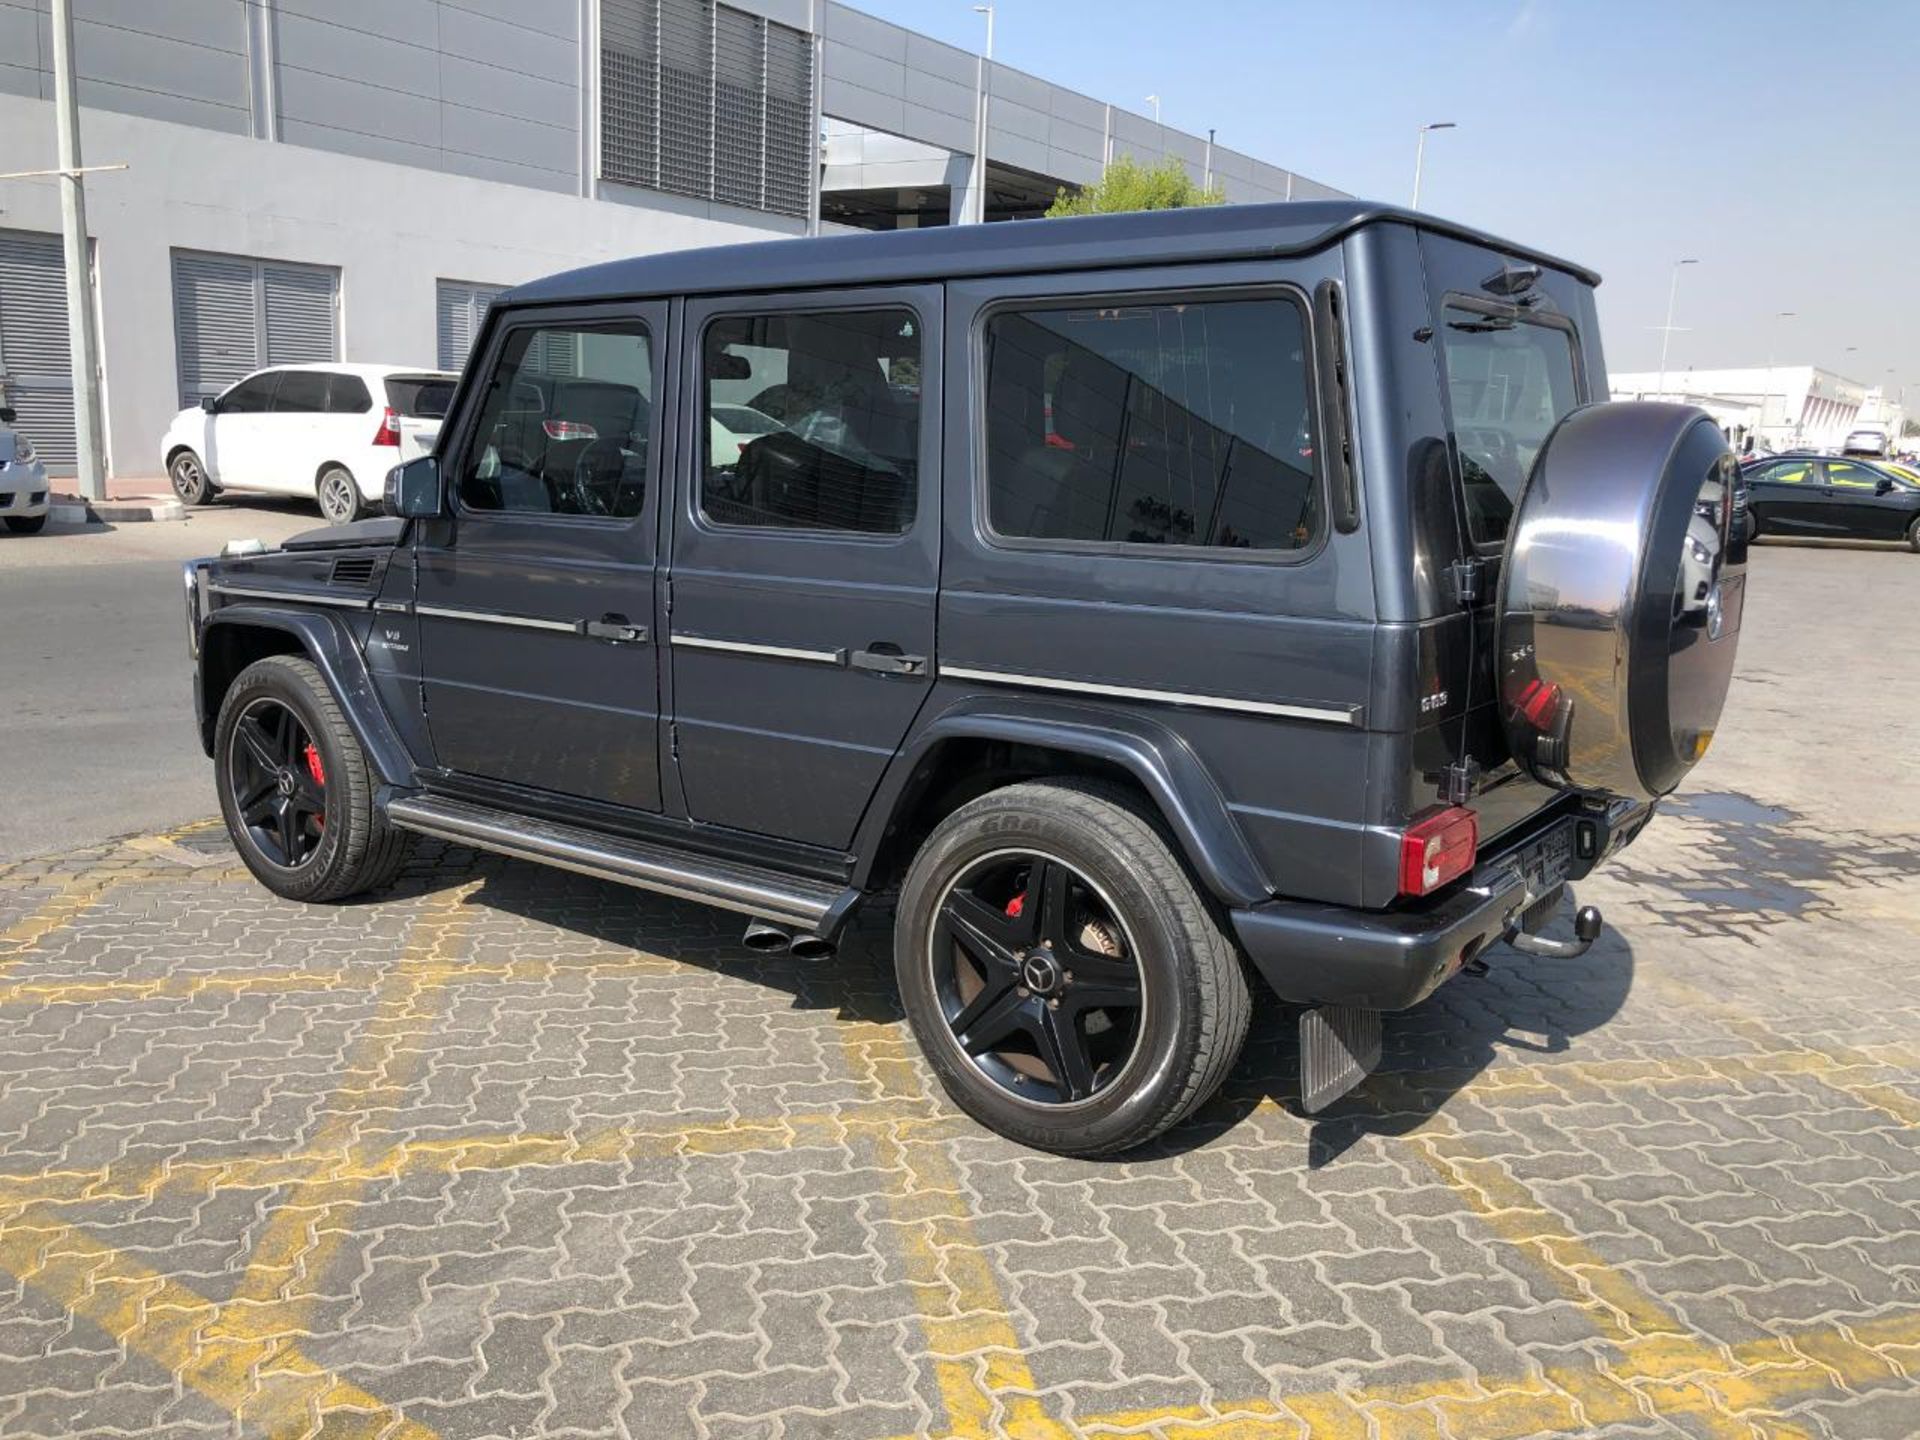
(1621,595)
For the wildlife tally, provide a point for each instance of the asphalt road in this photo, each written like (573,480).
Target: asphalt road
(96,730)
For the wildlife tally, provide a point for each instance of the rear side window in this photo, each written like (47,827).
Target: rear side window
(1173,423)
(301,392)
(426,397)
(1509,381)
(347,395)
(564,423)
(813,421)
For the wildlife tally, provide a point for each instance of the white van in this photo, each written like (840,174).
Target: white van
(329,431)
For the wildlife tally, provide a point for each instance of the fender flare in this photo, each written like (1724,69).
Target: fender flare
(326,641)
(1161,761)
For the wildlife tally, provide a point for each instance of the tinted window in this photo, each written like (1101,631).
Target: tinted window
(1509,381)
(1851,477)
(424,396)
(252,396)
(301,392)
(1786,472)
(843,391)
(564,423)
(1180,423)
(347,395)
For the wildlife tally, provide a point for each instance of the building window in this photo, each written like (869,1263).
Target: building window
(1187,422)
(459,309)
(703,100)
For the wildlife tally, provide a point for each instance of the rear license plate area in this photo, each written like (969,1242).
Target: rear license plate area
(1546,861)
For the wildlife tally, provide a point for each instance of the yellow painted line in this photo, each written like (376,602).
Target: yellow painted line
(306,1230)
(269,1388)
(980,1369)
(66,905)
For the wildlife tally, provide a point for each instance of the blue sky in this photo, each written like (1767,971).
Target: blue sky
(1778,143)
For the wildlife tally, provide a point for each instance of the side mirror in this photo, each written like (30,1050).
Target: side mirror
(7,414)
(413,489)
(1884,487)
(210,404)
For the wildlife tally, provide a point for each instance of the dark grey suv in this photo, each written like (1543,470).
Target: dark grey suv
(1144,605)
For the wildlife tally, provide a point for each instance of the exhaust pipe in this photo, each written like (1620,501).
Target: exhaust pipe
(766,938)
(811,947)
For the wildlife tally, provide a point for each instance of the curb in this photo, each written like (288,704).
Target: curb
(72,510)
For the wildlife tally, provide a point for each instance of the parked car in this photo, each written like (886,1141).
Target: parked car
(1835,497)
(1869,442)
(23,480)
(1035,616)
(329,431)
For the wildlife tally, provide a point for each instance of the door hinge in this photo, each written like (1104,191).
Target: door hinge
(1465,578)
(1458,780)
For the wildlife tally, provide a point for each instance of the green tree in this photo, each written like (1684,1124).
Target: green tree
(1129,185)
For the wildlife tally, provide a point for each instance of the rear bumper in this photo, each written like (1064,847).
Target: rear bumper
(1390,959)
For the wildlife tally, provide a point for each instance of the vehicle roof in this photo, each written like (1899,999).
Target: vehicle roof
(1220,232)
(357,367)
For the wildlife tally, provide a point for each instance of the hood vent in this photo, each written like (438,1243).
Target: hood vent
(353,570)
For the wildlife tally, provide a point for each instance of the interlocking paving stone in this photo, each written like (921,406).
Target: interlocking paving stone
(512,1152)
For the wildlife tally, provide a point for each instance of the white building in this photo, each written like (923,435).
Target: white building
(355,179)
(1781,406)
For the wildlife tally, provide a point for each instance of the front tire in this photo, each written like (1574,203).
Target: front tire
(339,495)
(26,524)
(1065,979)
(189,479)
(296,789)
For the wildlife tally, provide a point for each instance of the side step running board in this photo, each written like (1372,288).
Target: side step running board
(765,894)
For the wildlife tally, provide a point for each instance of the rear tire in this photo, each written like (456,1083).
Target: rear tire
(1073,872)
(339,495)
(26,524)
(189,478)
(296,789)
(1913,537)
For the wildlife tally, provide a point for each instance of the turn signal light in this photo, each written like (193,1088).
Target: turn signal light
(1438,848)
(389,431)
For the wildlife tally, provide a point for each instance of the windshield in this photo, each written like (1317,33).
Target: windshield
(424,396)
(1508,382)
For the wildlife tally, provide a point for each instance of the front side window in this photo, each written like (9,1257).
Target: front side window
(1509,381)
(1173,423)
(301,392)
(252,396)
(813,421)
(564,423)
(1851,477)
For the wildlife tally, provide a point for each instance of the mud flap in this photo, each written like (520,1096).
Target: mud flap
(1339,1047)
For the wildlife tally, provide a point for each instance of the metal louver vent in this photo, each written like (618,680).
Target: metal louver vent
(459,310)
(232,316)
(353,570)
(703,100)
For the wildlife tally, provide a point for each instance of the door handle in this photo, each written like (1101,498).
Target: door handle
(886,659)
(614,628)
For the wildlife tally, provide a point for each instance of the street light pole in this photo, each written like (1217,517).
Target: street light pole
(1420,154)
(1666,330)
(984,88)
(83,344)
(1772,347)
(1154,100)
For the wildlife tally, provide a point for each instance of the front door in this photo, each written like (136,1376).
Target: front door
(1856,506)
(237,435)
(805,553)
(535,591)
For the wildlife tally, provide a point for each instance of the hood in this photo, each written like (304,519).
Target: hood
(380,530)
(9,445)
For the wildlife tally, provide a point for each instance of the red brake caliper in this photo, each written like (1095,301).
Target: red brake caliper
(319,773)
(1016,905)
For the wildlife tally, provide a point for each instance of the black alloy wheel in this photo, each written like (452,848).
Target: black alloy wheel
(279,783)
(1037,978)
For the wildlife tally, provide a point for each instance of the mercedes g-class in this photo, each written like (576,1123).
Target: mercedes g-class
(1143,606)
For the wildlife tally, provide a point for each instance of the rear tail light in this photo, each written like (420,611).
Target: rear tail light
(569,430)
(1539,702)
(1436,849)
(389,431)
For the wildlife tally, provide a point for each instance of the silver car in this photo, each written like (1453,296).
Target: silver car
(23,480)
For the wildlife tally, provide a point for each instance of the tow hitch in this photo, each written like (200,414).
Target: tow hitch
(1586,930)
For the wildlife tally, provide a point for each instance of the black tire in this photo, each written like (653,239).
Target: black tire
(27,524)
(1913,537)
(1753,527)
(1181,1039)
(189,479)
(339,495)
(345,848)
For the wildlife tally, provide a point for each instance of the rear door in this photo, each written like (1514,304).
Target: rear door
(295,434)
(1784,494)
(805,560)
(535,593)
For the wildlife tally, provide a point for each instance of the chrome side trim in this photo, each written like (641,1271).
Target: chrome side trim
(1332,715)
(494,617)
(759,893)
(304,597)
(770,652)
(392,607)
